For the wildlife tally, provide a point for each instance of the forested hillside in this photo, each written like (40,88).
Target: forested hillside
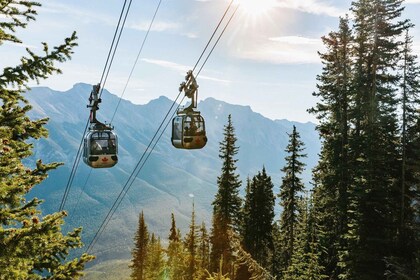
(361,221)
(170,176)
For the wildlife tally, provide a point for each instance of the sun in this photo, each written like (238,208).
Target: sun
(256,8)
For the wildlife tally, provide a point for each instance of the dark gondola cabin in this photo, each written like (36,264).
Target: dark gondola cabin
(100,149)
(100,145)
(188,131)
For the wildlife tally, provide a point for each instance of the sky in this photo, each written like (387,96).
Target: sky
(266,59)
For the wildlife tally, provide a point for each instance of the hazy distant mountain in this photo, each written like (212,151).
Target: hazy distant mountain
(170,177)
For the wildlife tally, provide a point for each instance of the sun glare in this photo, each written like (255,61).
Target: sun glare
(256,8)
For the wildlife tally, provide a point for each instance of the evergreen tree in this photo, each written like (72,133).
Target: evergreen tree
(190,244)
(175,253)
(155,263)
(290,191)
(203,252)
(362,180)
(375,137)
(258,218)
(32,245)
(405,192)
(140,250)
(305,261)
(227,203)
(332,176)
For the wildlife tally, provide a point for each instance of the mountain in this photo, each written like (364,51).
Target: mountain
(169,179)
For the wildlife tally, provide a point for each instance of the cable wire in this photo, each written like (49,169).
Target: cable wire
(212,35)
(139,166)
(217,41)
(137,58)
(108,64)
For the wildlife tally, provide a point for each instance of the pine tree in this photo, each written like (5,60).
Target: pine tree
(155,263)
(32,245)
(203,252)
(332,176)
(290,196)
(140,250)
(359,178)
(227,203)
(190,244)
(405,192)
(305,261)
(175,253)
(375,136)
(258,219)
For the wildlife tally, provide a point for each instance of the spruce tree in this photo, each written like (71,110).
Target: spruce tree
(227,203)
(155,262)
(176,259)
(405,192)
(333,176)
(361,188)
(258,219)
(32,245)
(190,244)
(375,137)
(290,196)
(203,252)
(140,250)
(305,261)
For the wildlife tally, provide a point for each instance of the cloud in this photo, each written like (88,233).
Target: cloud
(284,50)
(203,77)
(21,45)
(412,1)
(312,7)
(59,8)
(157,26)
(182,68)
(167,64)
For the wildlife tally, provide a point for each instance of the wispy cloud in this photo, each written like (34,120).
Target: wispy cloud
(32,47)
(284,50)
(312,7)
(68,10)
(204,77)
(167,64)
(181,68)
(157,26)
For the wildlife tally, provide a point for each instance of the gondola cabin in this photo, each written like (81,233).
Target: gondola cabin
(188,131)
(100,149)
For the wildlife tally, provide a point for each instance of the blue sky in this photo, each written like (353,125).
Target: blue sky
(266,59)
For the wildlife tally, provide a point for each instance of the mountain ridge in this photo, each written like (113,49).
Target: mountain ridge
(169,179)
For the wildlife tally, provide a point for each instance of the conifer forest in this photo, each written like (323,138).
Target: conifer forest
(359,219)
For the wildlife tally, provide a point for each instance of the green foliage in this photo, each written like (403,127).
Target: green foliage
(190,244)
(155,262)
(32,245)
(258,217)
(290,197)
(203,252)
(140,251)
(364,194)
(227,203)
(175,254)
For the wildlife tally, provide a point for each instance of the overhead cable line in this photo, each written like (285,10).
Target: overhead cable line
(217,41)
(125,87)
(139,164)
(212,35)
(107,67)
(137,58)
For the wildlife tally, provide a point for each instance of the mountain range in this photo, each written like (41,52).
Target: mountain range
(170,181)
